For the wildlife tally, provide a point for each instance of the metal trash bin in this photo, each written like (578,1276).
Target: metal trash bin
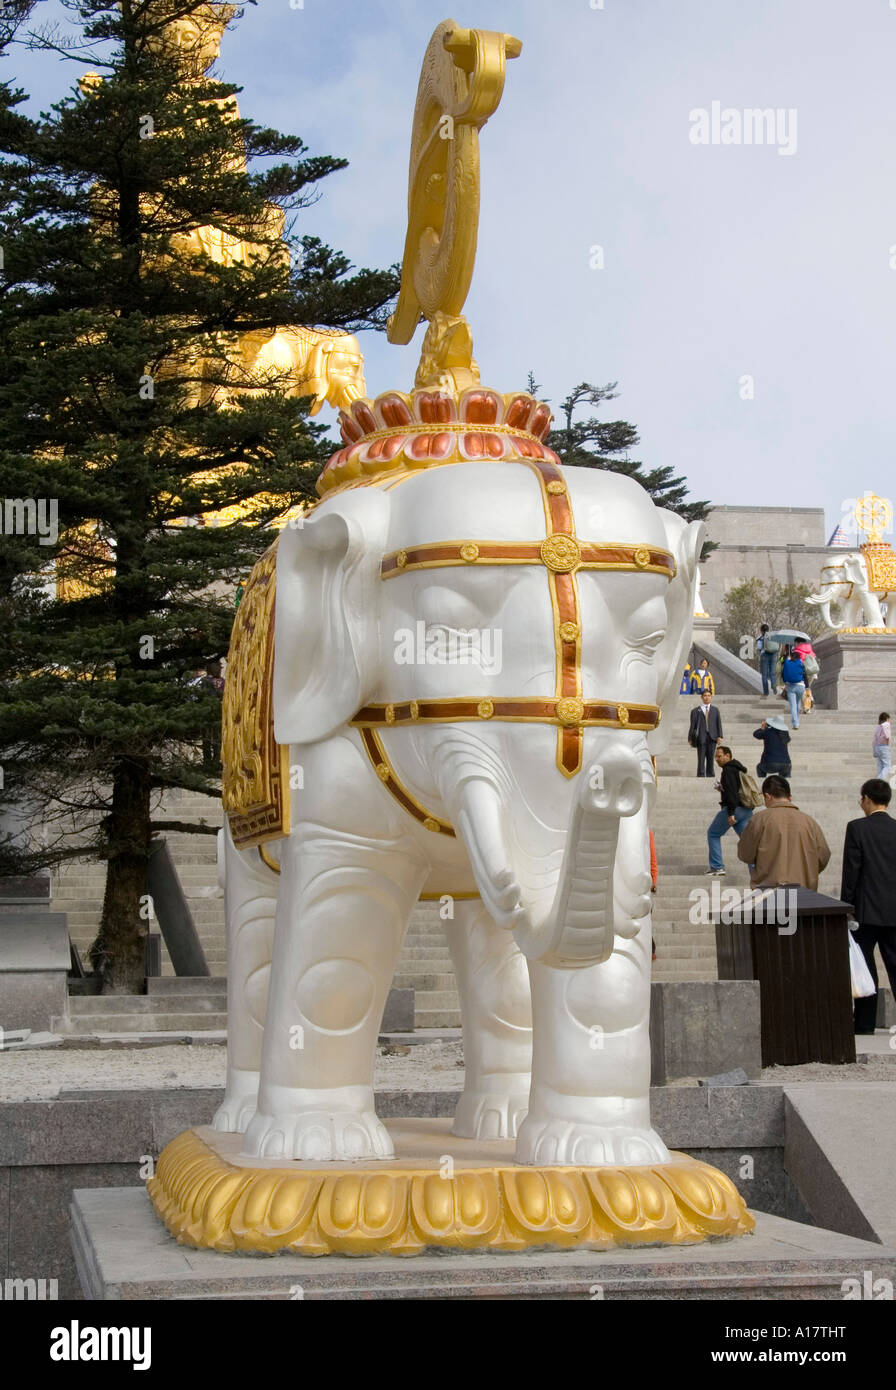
(795,943)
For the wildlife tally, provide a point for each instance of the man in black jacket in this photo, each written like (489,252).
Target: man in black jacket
(733,814)
(869,883)
(704,733)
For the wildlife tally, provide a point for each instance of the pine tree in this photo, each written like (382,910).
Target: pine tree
(594,443)
(119,350)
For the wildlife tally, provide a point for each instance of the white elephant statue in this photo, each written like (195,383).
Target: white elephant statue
(470,664)
(858,595)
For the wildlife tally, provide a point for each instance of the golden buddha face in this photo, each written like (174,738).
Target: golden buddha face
(195,40)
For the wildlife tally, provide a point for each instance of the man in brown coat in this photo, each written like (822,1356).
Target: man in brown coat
(782,843)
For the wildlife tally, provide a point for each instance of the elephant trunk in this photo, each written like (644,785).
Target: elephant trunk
(567,918)
(584,919)
(823,602)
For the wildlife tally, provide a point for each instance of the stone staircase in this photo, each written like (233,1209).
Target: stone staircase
(831,758)
(78,885)
(172,1005)
(425,966)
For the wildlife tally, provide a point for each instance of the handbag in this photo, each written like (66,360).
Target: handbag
(808,701)
(862,983)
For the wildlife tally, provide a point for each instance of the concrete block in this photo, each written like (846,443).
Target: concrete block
(122,1253)
(38,1246)
(171,1112)
(33,999)
(398,1015)
(34,964)
(857,672)
(32,891)
(837,1149)
(32,941)
(702,1028)
(83,1127)
(757,1173)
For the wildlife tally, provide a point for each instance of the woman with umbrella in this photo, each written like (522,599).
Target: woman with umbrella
(795,644)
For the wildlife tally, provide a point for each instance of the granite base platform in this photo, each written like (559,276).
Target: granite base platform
(123,1252)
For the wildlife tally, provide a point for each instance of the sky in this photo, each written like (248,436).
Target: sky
(743,295)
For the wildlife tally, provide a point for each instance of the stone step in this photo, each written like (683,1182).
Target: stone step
(437,1018)
(422,981)
(140,1023)
(436,999)
(187,984)
(88,1005)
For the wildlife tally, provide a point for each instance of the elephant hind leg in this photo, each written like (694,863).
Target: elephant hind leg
(250,899)
(497,1023)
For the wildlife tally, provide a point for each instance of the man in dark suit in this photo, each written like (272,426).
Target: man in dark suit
(704,733)
(869,883)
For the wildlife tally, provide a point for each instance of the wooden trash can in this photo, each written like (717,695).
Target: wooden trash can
(796,944)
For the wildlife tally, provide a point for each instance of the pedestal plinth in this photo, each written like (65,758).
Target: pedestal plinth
(439,1192)
(857,671)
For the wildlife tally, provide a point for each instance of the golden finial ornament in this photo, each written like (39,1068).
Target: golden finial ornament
(461,84)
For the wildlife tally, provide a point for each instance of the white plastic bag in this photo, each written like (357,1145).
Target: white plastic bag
(862,983)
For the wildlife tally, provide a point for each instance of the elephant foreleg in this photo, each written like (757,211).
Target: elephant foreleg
(341,916)
(497,1023)
(590,1097)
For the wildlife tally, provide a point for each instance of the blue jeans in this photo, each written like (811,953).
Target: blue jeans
(767,671)
(718,827)
(795,692)
(882,754)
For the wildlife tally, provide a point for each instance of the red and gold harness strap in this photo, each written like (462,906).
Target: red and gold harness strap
(553,552)
(569,712)
(562,554)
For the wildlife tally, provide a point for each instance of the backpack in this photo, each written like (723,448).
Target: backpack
(750,795)
(769,646)
(810,665)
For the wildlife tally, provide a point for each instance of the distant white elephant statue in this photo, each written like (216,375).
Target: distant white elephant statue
(470,667)
(847,585)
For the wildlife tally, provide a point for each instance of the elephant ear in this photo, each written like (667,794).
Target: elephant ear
(685,540)
(326,623)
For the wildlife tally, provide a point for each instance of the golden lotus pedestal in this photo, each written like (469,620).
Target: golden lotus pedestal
(439,1192)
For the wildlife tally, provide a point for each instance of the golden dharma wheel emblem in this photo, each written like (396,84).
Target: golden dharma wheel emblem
(401,559)
(382,772)
(485,709)
(415,710)
(641,557)
(568,632)
(622,714)
(431,824)
(874,516)
(560,553)
(556,488)
(469,552)
(390,714)
(570,709)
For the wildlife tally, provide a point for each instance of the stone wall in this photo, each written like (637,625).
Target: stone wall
(782,543)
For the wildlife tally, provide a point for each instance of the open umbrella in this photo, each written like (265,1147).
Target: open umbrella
(789,635)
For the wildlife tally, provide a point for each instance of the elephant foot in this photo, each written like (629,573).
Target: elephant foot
(235,1112)
(549,1141)
(492,1109)
(316,1135)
